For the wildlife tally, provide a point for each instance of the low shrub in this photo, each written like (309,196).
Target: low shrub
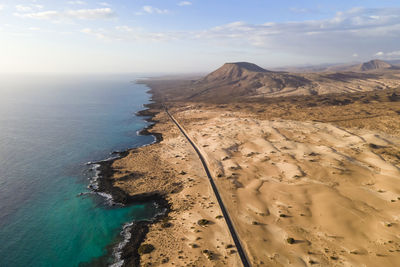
(145,249)
(203,222)
(291,240)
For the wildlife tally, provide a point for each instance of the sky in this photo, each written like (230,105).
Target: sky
(173,36)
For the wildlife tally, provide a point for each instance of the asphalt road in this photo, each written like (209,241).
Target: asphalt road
(229,223)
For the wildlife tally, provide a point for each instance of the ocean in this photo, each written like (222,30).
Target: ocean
(50,126)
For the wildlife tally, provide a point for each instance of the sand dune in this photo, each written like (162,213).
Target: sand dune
(328,188)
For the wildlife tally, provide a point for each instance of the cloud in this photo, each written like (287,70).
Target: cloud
(124,28)
(22,8)
(356,29)
(126,33)
(154,10)
(89,31)
(97,13)
(358,22)
(104,4)
(28,8)
(1,7)
(84,14)
(303,10)
(76,2)
(51,14)
(359,29)
(184,3)
(393,54)
(388,55)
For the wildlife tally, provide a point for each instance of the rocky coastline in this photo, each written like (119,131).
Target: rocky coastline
(129,255)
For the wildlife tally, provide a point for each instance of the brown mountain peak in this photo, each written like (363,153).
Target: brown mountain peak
(245,65)
(234,71)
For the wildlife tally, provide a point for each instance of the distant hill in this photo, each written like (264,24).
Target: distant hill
(375,64)
(372,65)
(394,62)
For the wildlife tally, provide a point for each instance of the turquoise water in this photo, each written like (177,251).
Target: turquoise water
(49,127)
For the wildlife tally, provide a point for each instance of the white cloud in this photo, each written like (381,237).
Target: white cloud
(1,7)
(104,4)
(28,8)
(86,14)
(77,2)
(22,8)
(97,13)
(356,29)
(91,32)
(124,28)
(184,3)
(51,14)
(355,55)
(388,55)
(359,29)
(394,54)
(126,33)
(154,10)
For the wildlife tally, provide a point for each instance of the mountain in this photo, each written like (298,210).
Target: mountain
(234,71)
(240,79)
(243,80)
(375,64)
(372,65)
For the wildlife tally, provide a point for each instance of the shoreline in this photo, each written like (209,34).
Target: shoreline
(125,253)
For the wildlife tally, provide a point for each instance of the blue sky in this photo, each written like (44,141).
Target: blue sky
(192,35)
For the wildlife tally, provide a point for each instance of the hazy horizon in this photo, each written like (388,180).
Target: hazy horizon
(167,37)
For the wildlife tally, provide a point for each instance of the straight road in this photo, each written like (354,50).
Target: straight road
(241,252)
